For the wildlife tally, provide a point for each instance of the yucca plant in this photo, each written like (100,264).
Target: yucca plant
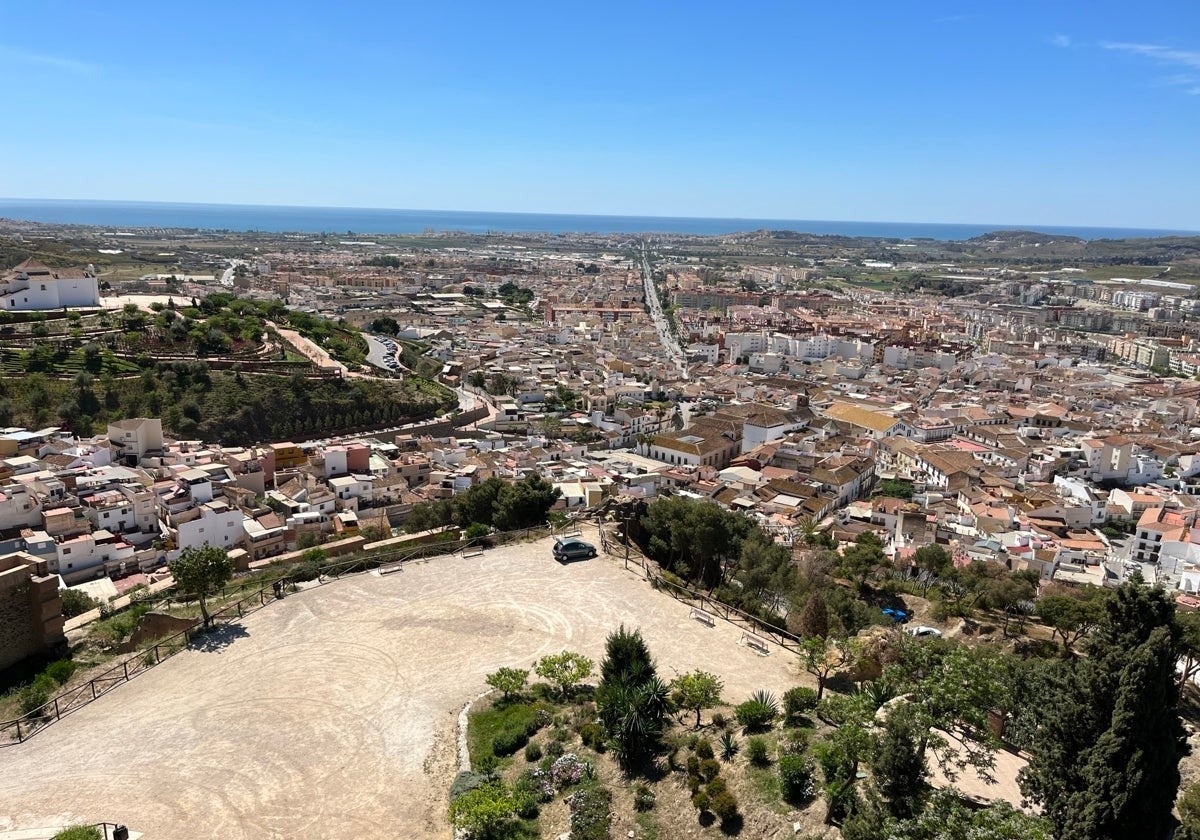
(729,746)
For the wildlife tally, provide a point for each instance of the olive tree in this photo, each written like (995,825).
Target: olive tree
(201,572)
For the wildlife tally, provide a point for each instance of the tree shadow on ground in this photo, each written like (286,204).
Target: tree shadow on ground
(217,639)
(733,825)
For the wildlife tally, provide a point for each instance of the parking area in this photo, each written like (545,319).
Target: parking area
(333,712)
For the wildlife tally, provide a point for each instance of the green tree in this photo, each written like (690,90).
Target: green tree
(510,681)
(200,572)
(839,756)
(948,818)
(1189,644)
(952,688)
(693,537)
(566,670)
(1009,595)
(76,602)
(478,503)
(429,515)
(932,561)
(1106,757)
(1188,807)
(485,812)
(863,557)
(825,657)
(626,658)
(1072,613)
(814,619)
(385,325)
(631,701)
(897,766)
(525,503)
(695,691)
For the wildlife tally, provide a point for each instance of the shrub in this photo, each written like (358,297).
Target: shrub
(537,783)
(757,751)
(718,720)
(590,813)
(525,805)
(693,765)
(60,670)
(709,768)
(716,786)
(724,805)
(35,695)
(79,832)
(465,781)
(795,777)
(700,801)
(643,798)
(799,701)
(509,741)
(754,715)
(570,769)
(592,735)
(729,746)
(483,811)
(554,749)
(704,748)
(533,751)
(561,734)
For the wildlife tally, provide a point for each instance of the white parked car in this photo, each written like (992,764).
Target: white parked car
(922,630)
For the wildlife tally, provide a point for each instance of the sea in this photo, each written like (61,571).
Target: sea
(119,215)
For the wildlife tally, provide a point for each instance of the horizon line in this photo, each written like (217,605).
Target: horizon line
(992,225)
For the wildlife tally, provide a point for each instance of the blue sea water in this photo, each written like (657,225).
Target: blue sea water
(268,219)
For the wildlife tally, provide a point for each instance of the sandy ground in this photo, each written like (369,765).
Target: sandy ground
(333,713)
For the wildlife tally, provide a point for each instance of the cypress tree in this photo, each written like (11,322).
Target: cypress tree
(1106,757)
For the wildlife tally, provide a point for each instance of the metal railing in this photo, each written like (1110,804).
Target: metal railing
(19,730)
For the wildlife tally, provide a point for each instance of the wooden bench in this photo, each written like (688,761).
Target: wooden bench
(703,617)
(473,551)
(756,642)
(384,571)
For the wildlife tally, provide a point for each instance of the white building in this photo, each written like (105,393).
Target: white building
(34,286)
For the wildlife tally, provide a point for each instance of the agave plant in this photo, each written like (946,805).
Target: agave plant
(768,701)
(729,746)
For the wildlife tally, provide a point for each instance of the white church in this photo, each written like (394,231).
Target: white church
(34,286)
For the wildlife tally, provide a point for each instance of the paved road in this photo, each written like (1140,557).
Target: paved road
(378,352)
(674,351)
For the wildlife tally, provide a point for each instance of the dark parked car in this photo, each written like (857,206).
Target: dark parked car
(573,548)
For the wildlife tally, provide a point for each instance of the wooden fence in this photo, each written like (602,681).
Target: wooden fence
(617,547)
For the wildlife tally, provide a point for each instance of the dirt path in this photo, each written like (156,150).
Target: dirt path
(335,713)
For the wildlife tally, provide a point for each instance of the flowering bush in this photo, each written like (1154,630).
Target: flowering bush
(568,770)
(590,815)
(538,782)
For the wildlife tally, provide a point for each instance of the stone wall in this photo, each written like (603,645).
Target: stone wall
(31,620)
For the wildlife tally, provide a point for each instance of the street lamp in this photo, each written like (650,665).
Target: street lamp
(626,518)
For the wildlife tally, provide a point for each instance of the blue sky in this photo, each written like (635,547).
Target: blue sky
(1033,112)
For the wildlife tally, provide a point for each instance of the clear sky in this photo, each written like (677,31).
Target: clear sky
(1083,112)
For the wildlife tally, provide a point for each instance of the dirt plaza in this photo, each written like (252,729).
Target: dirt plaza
(334,711)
